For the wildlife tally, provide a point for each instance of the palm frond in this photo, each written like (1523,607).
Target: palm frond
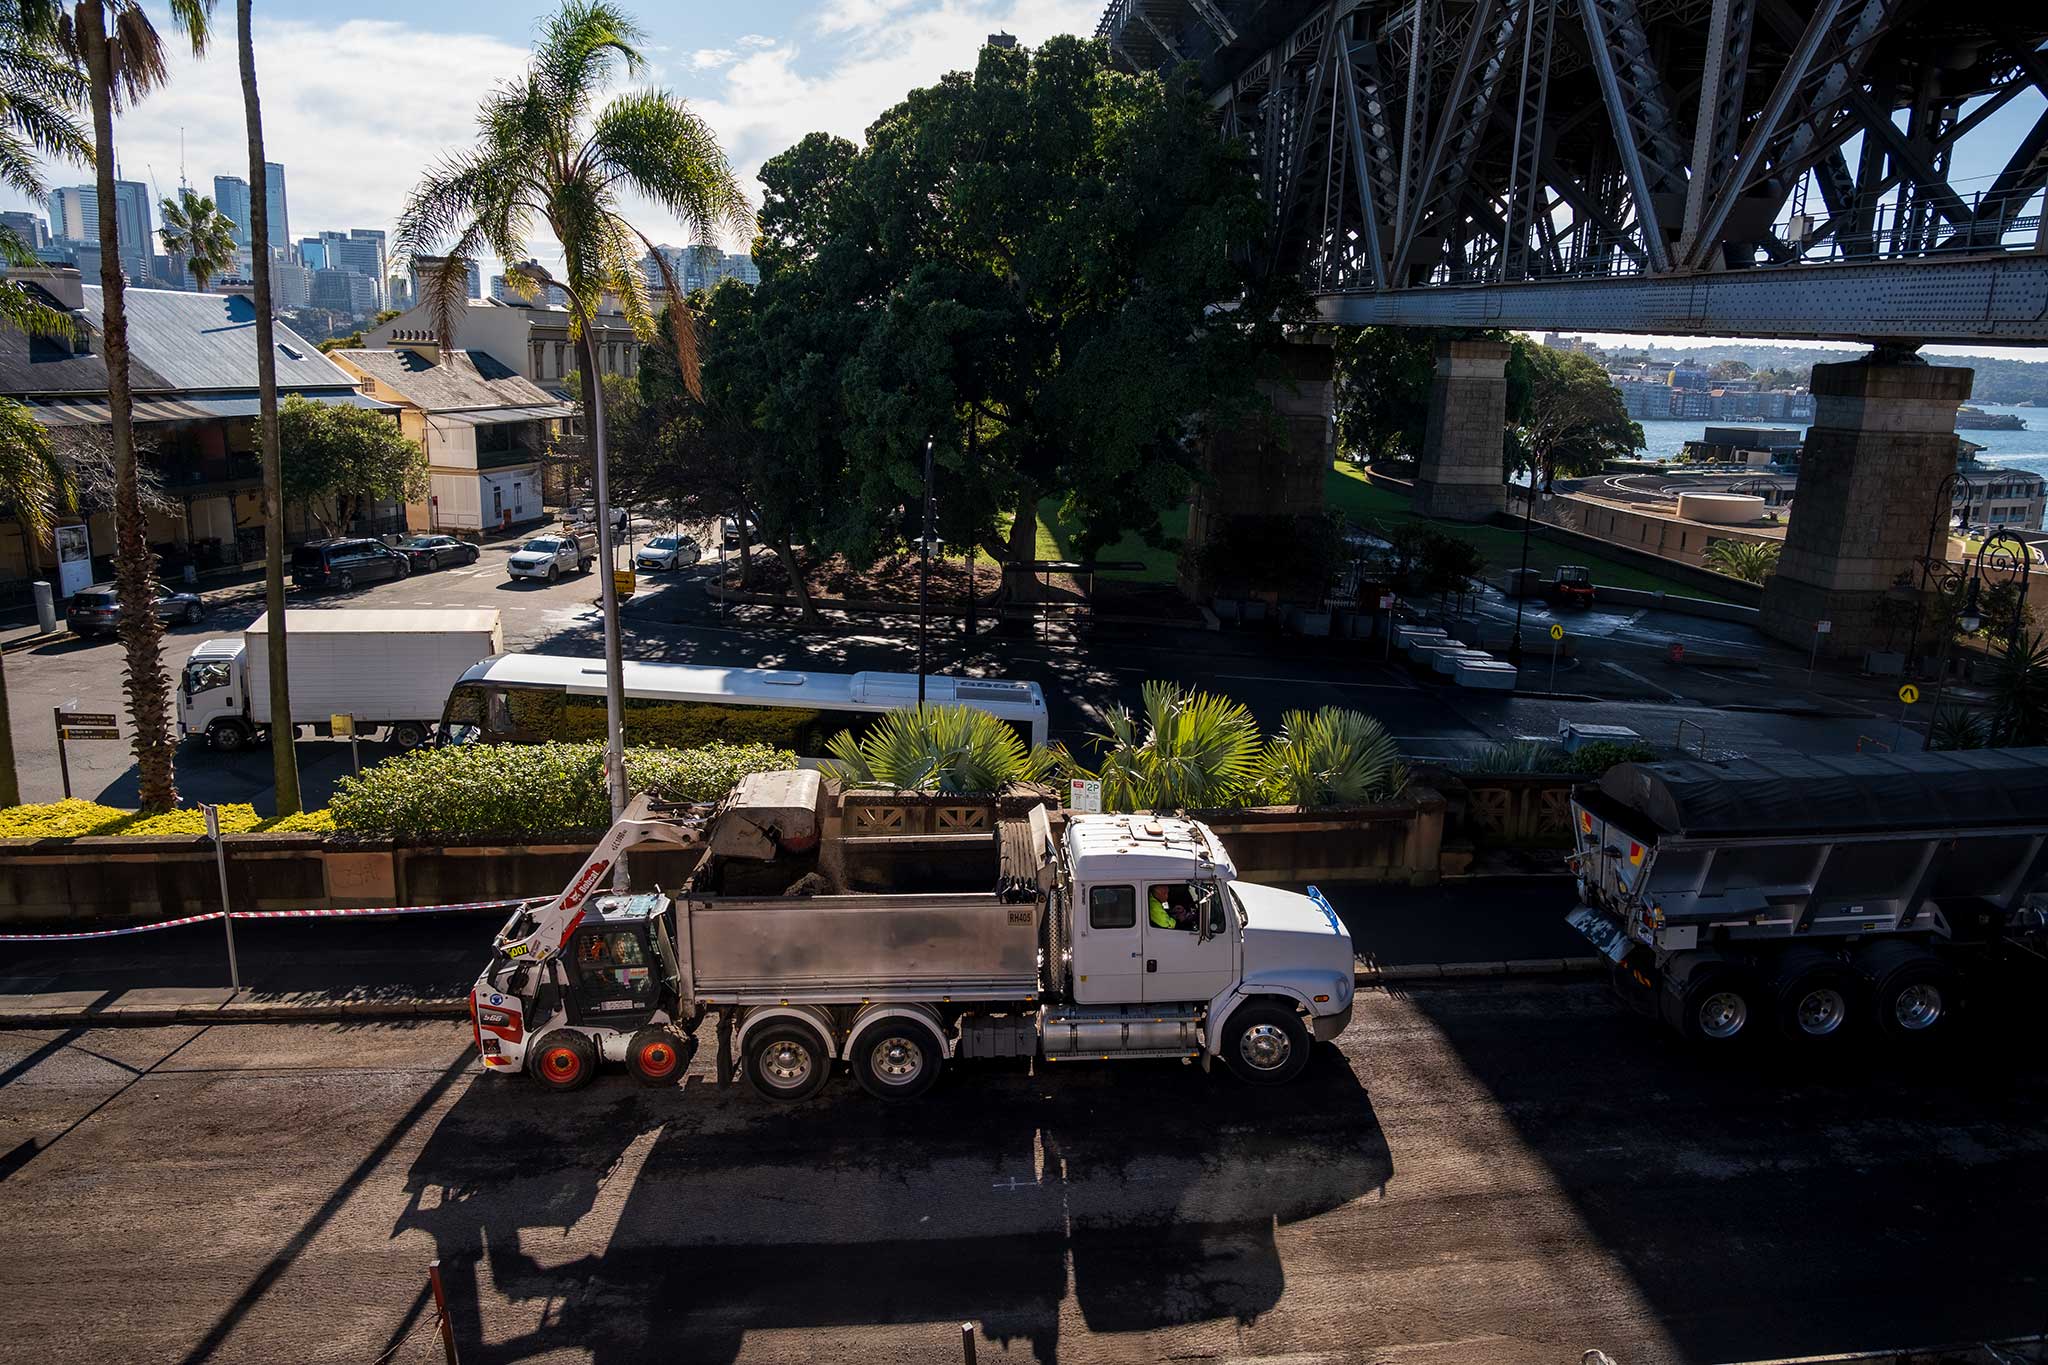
(1198,751)
(951,749)
(576,49)
(682,322)
(1331,757)
(658,146)
(32,480)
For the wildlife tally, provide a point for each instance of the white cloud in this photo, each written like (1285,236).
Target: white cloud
(711,58)
(755,40)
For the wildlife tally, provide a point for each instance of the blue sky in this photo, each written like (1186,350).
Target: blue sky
(357,107)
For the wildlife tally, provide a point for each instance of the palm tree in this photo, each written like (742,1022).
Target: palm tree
(549,159)
(34,483)
(1331,757)
(202,234)
(939,748)
(1752,561)
(123,58)
(1196,751)
(284,756)
(40,92)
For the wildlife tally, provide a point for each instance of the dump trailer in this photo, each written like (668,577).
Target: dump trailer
(1121,937)
(1815,898)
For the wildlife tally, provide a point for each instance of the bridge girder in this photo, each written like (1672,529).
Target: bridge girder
(1650,159)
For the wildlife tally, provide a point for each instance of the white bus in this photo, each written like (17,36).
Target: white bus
(534,698)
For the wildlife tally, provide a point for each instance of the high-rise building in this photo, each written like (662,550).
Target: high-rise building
(279,219)
(697,267)
(312,253)
(136,241)
(291,285)
(28,227)
(362,255)
(375,235)
(231,197)
(424,266)
(75,214)
(344,291)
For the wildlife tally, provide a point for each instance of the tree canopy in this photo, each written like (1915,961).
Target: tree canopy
(1383,382)
(338,458)
(1575,420)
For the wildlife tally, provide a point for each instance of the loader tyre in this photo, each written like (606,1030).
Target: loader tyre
(1265,1043)
(1719,1009)
(656,1057)
(787,1060)
(564,1060)
(1913,993)
(896,1059)
(1816,1000)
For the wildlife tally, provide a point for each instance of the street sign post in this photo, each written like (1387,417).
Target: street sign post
(1387,610)
(338,724)
(220,858)
(1084,794)
(1908,694)
(79,725)
(1556,638)
(623,582)
(1820,628)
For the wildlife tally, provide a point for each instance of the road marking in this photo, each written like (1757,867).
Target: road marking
(1630,673)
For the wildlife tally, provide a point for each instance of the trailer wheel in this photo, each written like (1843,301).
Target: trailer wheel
(1717,1009)
(896,1059)
(409,734)
(1815,998)
(1914,994)
(564,1060)
(787,1060)
(228,736)
(1265,1043)
(656,1057)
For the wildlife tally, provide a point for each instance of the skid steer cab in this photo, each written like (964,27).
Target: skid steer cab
(602,998)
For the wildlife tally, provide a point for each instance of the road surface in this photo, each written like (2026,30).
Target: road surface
(1494,1173)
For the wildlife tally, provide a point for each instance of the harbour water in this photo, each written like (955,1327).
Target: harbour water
(2026,449)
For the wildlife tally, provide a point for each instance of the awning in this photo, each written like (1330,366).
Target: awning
(490,417)
(92,412)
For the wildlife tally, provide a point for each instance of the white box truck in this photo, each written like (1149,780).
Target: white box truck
(390,670)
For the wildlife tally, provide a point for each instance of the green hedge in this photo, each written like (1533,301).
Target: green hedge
(529,790)
(75,819)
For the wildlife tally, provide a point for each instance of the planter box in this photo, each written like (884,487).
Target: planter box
(1308,621)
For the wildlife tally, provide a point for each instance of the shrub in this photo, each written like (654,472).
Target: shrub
(1331,757)
(524,790)
(940,748)
(1519,756)
(74,819)
(1955,728)
(1596,758)
(1749,560)
(1196,751)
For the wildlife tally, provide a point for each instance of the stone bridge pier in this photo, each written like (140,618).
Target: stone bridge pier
(1459,477)
(1882,440)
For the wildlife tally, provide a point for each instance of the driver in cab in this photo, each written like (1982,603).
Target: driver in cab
(1170,908)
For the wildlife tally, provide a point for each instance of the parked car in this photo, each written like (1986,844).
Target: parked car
(729,532)
(667,552)
(343,562)
(548,557)
(434,552)
(97,611)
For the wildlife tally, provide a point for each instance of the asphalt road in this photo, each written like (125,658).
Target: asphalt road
(1623,661)
(1507,1173)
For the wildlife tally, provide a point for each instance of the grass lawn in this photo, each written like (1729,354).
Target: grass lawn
(1056,541)
(1346,490)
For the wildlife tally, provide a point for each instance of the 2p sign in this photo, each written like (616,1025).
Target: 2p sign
(1084,794)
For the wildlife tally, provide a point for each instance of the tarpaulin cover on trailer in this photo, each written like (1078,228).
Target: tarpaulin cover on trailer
(1815,795)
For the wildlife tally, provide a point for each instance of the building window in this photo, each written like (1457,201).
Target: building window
(560,372)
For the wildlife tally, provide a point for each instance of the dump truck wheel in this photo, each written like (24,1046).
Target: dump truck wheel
(896,1058)
(1817,1000)
(564,1060)
(1718,1009)
(1913,993)
(787,1060)
(656,1057)
(1265,1043)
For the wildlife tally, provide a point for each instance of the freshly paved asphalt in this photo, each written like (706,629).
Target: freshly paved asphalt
(1504,1173)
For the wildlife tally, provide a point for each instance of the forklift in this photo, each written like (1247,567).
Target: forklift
(1572,586)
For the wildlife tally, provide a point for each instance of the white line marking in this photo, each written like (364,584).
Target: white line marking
(1629,673)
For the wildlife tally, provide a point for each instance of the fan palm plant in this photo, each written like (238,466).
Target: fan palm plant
(939,748)
(2019,693)
(1751,561)
(1331,757)
(195,229)
(123,59)
(1193,750)
(34,484)
(41,92)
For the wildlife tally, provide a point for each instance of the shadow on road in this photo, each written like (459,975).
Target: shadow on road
(1771,1205)
(1150,1195)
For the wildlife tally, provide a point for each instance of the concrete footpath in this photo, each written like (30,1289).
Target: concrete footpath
(422,967)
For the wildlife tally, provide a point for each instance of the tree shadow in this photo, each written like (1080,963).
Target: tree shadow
(1768,1204)
(1149,1194)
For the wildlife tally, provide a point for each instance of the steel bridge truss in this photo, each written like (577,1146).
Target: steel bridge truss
(1524,147)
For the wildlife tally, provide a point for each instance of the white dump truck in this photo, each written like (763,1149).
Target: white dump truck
(1819,899)
(389,670)
(1123,937)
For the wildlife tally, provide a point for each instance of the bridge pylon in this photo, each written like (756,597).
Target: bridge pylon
(1458,477)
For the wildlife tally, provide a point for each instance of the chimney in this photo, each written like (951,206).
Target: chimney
(60,282)
(421,344)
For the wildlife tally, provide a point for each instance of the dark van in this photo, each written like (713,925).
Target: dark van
(342,563)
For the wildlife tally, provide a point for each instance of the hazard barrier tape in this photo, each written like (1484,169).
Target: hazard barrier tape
(363,912)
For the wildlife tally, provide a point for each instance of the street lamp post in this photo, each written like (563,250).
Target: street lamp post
(1522,575)
(614,658)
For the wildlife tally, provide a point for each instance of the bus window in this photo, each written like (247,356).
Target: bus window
(462,722)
